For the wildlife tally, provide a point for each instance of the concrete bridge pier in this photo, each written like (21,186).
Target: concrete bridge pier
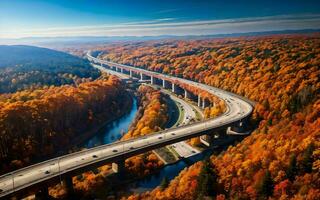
(142,76)
(152,80)
(121,69)
(118,167)
(206,140)
(130,73)
(213,138)
(186,94)
(199,101)
(164,83)
(173,88)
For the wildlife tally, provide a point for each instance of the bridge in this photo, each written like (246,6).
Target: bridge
(39,176)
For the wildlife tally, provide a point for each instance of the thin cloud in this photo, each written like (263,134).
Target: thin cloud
(170,26)
(167,11)
(166,19)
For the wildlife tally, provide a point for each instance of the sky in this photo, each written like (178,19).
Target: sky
(60,18)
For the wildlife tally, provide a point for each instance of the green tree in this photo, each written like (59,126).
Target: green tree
(207,184)
(265,187)
(292,168)
(307,160)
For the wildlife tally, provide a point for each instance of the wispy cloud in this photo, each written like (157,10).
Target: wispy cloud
(171,26)
(167,11)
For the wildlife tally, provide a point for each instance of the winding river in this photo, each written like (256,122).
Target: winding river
(168,171)
(113,132)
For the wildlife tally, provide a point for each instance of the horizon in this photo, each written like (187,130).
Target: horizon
(55,18)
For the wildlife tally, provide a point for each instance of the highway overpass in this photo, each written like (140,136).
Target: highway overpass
(63,168)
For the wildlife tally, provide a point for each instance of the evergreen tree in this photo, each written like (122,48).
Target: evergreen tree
(292,168)
(207,184)
(307,159)
(265,188)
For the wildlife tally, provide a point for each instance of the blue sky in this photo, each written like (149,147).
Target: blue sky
(51,18)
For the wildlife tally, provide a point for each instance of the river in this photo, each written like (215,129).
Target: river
(113,132)
(168,171)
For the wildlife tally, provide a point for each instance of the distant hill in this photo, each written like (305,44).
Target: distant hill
(60,42)
(22,67)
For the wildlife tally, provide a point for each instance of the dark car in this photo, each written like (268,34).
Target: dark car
(94,156)
(114,150)
(47,172)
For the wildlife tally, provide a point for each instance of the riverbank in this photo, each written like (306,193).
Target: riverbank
(88,134)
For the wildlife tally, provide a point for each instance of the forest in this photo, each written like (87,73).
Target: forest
(280,159)
(29,67)
(33,126)
(151,117)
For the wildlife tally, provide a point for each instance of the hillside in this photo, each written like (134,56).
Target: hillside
(37,124)
(23,67)
(281,158)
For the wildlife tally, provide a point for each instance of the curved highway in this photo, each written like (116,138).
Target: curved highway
(75,163)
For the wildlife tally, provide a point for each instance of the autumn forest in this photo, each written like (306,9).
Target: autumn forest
(280,159)
(47,110)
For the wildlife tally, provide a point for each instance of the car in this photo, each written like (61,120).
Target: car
(173,134)
(47,172)
(131,148)
(114,150)
(1,191)
(20,174)
(159,138)
(193,151)
(94,156)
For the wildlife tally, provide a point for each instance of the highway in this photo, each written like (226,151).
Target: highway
(183,148)
(237,109)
